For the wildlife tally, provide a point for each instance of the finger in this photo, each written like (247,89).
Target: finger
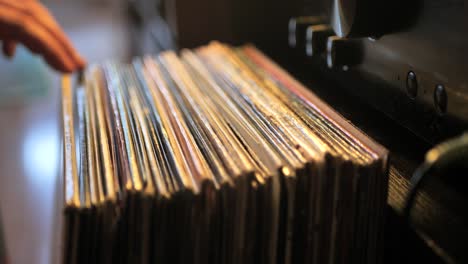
(36,24)
(38,40)
(42,16)
(9,48)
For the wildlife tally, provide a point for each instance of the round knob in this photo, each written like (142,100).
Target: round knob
(297,29)
(343,14)
(343,53)
(316,39)
(371,18)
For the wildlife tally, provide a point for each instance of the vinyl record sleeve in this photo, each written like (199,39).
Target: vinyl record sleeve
(215,155)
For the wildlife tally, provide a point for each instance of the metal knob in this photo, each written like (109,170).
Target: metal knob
(343,53)
(297,29)
(316,39)
(372,18)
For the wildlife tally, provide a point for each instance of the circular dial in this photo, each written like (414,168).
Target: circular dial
(343,13)
(371,18)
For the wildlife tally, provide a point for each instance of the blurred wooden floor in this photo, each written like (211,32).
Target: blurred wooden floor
(30,148)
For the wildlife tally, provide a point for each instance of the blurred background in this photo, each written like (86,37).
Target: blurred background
(30,141)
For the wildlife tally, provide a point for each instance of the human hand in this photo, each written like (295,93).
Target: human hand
(30,23)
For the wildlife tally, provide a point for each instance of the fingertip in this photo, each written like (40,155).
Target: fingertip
(9,48)
(59,64)
(61,68)
(62,64)
(67,69)
(80,63)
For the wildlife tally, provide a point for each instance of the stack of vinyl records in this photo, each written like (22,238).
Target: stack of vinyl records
(215,155)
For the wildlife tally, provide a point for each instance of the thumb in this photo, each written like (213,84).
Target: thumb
(9,48)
